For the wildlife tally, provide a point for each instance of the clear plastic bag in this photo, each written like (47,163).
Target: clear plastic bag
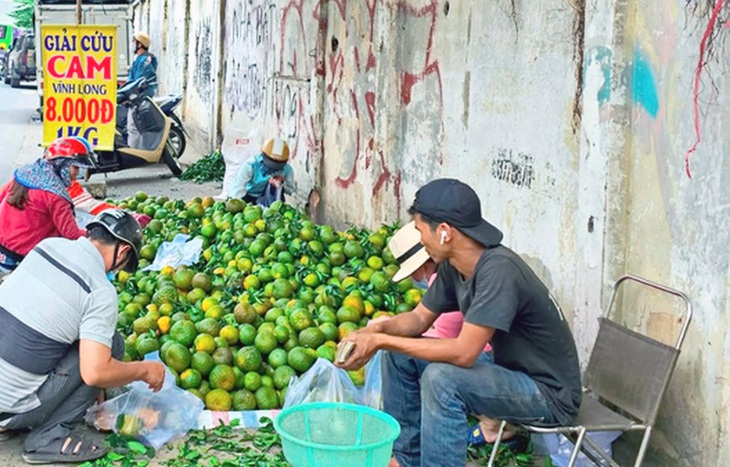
(372,390)
(270,195)
(324,382)
(176,253)
(152,418)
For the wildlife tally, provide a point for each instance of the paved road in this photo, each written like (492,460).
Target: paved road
(17,107)
(19,138)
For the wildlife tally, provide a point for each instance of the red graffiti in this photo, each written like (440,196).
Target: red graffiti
(696,86)
(348,66)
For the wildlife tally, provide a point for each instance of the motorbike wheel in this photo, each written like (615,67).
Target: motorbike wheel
(177,139)
(168,155)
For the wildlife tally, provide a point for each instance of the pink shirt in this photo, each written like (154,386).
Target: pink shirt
(448,325)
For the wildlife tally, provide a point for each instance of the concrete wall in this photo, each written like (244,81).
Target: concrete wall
(570,119)
(675,228)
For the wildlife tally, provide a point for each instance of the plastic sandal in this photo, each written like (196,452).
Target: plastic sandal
(89,449)
(517,443)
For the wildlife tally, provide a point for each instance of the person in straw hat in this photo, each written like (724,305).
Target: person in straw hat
(431,385)
(264,173)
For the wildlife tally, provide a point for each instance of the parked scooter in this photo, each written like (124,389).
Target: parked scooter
(168,104)
(153,126)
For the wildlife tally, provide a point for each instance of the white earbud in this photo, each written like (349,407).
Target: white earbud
(443,236)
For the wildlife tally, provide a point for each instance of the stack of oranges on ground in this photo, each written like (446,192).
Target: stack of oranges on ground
(271,293)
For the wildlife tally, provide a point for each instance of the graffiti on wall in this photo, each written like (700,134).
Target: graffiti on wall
(250,62)
(203,71)
(643,84)
(276,54)
(514,168)
(599,57)
(352,54)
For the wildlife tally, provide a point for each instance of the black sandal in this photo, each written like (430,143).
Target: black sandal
(74,448)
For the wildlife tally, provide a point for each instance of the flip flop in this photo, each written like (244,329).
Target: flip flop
(6,435)
(91,448)
(517,443)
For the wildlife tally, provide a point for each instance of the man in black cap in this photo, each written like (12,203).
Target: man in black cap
(430,385)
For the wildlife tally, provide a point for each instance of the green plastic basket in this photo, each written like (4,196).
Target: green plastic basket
(324,434)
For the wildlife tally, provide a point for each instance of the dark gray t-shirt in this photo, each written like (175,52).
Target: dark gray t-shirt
(531,334)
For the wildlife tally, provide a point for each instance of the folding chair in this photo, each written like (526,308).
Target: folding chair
(624,384)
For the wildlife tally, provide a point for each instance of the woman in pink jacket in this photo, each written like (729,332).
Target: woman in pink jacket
(35,205)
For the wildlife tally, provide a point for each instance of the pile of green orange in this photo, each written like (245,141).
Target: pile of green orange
(271,293)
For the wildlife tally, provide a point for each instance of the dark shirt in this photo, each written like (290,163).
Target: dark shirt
(531,334)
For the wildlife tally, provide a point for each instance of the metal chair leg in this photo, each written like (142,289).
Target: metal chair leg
(596,450)
(495,448)
(644,446)
(576,449)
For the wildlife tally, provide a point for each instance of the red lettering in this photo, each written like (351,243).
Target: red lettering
(107,111)
(104,67)
(52,66)
(89,68)
(75,70)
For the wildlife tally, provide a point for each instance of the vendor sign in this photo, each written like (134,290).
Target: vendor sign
(79,82)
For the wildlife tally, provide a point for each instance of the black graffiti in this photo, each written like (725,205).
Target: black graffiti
(513,168)
(288,111)
(203,74)
(251,45)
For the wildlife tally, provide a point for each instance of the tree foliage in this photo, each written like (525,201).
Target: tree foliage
(23,13)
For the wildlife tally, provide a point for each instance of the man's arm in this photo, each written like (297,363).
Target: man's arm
(462,351)
(99,369)
(411,324)
(238,187)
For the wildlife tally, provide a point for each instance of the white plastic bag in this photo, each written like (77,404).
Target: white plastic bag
(238,147)
(559,447)
(153,418)
(176,253)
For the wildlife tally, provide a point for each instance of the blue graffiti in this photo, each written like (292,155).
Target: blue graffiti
(643,84)
(601,55)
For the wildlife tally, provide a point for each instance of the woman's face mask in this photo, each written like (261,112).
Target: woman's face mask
(421,284)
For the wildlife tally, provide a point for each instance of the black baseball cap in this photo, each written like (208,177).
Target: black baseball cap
(455,203)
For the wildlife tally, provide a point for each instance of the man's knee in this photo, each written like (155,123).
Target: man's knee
(437,378)
(117,346)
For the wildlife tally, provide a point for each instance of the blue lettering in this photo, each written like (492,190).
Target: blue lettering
(97,43)
(57,43)
(90,135)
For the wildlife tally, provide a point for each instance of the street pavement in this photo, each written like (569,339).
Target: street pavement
(17,107)
(19,144)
